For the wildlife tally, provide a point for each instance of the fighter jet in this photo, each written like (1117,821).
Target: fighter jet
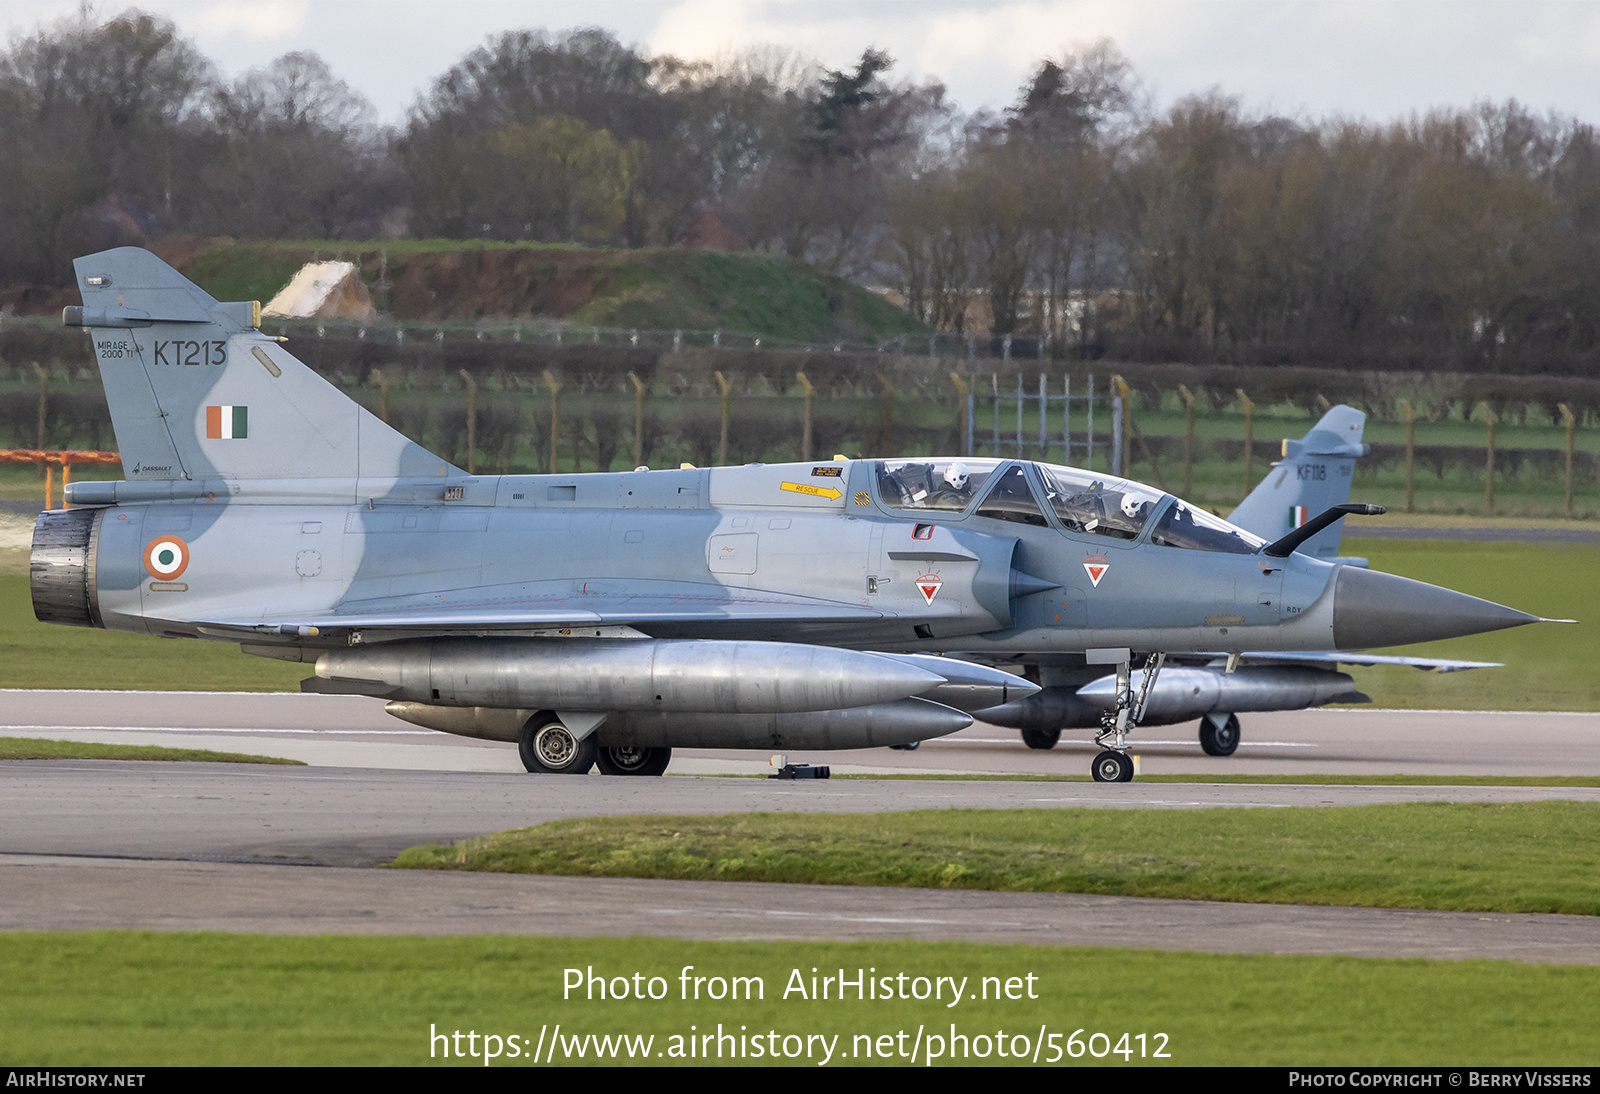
(1313,477)
(605,619)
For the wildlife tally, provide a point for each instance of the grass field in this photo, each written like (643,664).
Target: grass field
(1548,666)
(1526,857)
(32,748)
(122,999)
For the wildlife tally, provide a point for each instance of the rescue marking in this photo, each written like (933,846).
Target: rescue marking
(826,472)
(166,557)
(830,492)
(929,585)
(861,497)
(1096,566)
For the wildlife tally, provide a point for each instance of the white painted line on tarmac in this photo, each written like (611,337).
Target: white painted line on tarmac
(1133,741)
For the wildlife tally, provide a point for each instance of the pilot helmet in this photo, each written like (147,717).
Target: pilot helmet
(956,476)
(1133,504)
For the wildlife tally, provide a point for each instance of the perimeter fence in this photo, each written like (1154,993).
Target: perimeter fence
(535,398)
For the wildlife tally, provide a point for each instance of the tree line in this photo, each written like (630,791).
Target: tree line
(1079,217)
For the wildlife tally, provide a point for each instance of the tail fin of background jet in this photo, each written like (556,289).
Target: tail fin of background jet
(196,390)
(1314,474)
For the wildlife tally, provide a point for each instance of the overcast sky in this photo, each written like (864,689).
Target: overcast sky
(1375,59)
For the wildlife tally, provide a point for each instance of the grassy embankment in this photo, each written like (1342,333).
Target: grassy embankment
(1524,857)
(138,999)
(652,288)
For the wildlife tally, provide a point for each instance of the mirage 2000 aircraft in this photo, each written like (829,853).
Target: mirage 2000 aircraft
(1313,477)
(608,618)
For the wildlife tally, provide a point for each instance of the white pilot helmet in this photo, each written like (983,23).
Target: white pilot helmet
(1132,503)
(956,476)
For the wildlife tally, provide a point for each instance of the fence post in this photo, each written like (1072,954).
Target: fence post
(383,394)
(1568,420)
(1411,448)
(472,422)
(886,418)
(1044,405)
(638,420)
(555,420)
(1188,438)
(994,391)
(1019,413)
(1066,421)
(963,415)
(44,408)
(722,445)
(1488,467)
(1249,439)
(1114,456)
(805,437)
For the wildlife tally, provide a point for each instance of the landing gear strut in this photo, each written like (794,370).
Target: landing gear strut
(1114,764)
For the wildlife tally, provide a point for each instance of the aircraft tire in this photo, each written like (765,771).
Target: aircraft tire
(1112,767)
(1219,740)
(632,760)
(548,748)
(1041,738)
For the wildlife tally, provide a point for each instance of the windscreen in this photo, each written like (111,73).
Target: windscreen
(1098,504)
(941,485)
(1186,526)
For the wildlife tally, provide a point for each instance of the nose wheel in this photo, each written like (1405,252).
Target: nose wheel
(1113,767)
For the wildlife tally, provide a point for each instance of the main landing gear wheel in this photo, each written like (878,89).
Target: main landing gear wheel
(1113,767)
(632,760)
(1041,738)
(1219,740)
(549,748)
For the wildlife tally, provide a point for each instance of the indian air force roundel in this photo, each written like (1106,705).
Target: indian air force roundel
(166,557)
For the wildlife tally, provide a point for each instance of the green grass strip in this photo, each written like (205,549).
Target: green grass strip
(37,748)
(1523,857)
(129,999)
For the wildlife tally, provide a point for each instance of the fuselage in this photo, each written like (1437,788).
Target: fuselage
(836,552)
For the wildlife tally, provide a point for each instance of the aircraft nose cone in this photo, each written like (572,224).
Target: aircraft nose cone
(1377,609)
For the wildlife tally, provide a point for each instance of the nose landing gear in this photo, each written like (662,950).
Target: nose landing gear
(1114,765)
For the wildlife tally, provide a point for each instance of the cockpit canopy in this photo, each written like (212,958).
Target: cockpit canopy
(1084,502)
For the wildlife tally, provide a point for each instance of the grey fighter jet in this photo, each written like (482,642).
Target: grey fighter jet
(1313,477)
(604,619)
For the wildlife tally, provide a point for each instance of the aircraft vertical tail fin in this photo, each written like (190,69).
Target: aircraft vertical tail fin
(197,391)
(1314,475)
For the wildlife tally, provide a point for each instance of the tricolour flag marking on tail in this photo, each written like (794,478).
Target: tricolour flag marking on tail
(227,423)
(1298,515)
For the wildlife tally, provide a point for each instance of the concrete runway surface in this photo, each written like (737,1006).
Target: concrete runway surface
(92,844)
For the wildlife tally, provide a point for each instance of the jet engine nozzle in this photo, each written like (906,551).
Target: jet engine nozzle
(1371,608)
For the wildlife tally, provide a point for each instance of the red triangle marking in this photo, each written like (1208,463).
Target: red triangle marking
(1096,571)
